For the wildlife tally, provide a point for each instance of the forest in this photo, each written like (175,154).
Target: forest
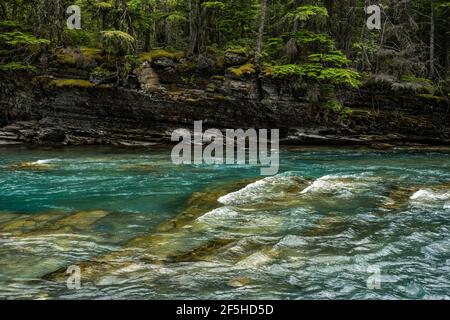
(324,43)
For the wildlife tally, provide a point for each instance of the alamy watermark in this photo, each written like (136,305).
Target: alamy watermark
(74,20)
(374,21)
(374,280)
(74,280)
(234,147)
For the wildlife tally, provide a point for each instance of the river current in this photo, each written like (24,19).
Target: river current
(335,223)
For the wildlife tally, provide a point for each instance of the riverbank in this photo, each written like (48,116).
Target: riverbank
(66,106)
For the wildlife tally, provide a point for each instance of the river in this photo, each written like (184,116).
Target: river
(335,223)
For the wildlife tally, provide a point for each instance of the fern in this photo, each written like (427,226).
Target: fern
(213,5)
(118,42)
(307,12)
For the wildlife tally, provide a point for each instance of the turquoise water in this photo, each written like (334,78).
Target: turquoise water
(140,227)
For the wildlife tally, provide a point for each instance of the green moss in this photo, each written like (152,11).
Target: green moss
(102,73)
(65,57)
(433,98)
(219,78)
(245,70)
(73,57)
(71,83)
(92,53)
(15,66)
(414,79)
(160,53)
(333,105)
(237,50)
(41,80)
(219,97)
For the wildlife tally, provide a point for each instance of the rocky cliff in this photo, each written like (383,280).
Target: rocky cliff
(49,109)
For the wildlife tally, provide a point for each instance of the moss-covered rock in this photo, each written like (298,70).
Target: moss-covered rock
(83,57)
(101,75)
(71,83)
(432,98)
(218,78)
(235,57)
(242,71)
(159,54)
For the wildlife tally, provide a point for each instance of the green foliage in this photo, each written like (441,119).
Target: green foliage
(341,76)
(9,25)
(18,49)
(305,13)
(306,37)
(301,38)
(16,66)
(333,105)
(333,58)
(295,70)
(414,79)
(79,37)
(103,5)
(17,39)
(117,43)
(213,5)
(316,72)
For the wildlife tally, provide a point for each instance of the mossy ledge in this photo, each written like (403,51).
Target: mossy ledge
(71,83)
(160,53)
(242,71)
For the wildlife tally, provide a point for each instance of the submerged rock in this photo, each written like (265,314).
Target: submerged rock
(328,225)
(80,220)
(24,224)
(239,282)
(400,197)
(6,216)
(48,223)
(203,252)
(258,258)
(31,166)
(173,240)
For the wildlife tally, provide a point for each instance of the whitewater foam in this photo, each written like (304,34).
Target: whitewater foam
(343,186)
(261,190)
(45,161)
(429,195)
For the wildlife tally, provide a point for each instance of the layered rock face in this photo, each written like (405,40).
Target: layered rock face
(34,111)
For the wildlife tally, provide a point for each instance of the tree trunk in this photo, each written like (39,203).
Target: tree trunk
(259,45)
(432,40)
(446,54)
(3,13)
(329,6)
(192,34)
